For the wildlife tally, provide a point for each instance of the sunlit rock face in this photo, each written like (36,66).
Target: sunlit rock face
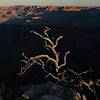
(74,8)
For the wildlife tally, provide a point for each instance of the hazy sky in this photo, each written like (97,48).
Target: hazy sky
(51,2)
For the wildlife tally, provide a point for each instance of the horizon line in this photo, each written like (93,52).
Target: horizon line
(48,5)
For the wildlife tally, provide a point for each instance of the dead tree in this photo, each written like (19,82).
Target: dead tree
(49,44)
(39,59)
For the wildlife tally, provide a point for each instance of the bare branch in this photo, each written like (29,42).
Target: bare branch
(39,58)
(57,41)
(50,74)
(64,59)
(23,54)
(89,86)
(46,30)
(45,38)
(87,71)
(24,61)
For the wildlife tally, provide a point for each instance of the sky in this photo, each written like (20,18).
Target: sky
(51,2)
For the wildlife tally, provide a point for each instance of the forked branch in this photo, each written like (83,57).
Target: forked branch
(49,44)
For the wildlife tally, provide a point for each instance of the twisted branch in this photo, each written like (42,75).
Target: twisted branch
(49,43)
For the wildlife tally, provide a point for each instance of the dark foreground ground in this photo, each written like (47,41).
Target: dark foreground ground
(46,91)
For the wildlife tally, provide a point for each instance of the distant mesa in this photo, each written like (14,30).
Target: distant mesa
(36,12)
(52,8)
(74,8)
